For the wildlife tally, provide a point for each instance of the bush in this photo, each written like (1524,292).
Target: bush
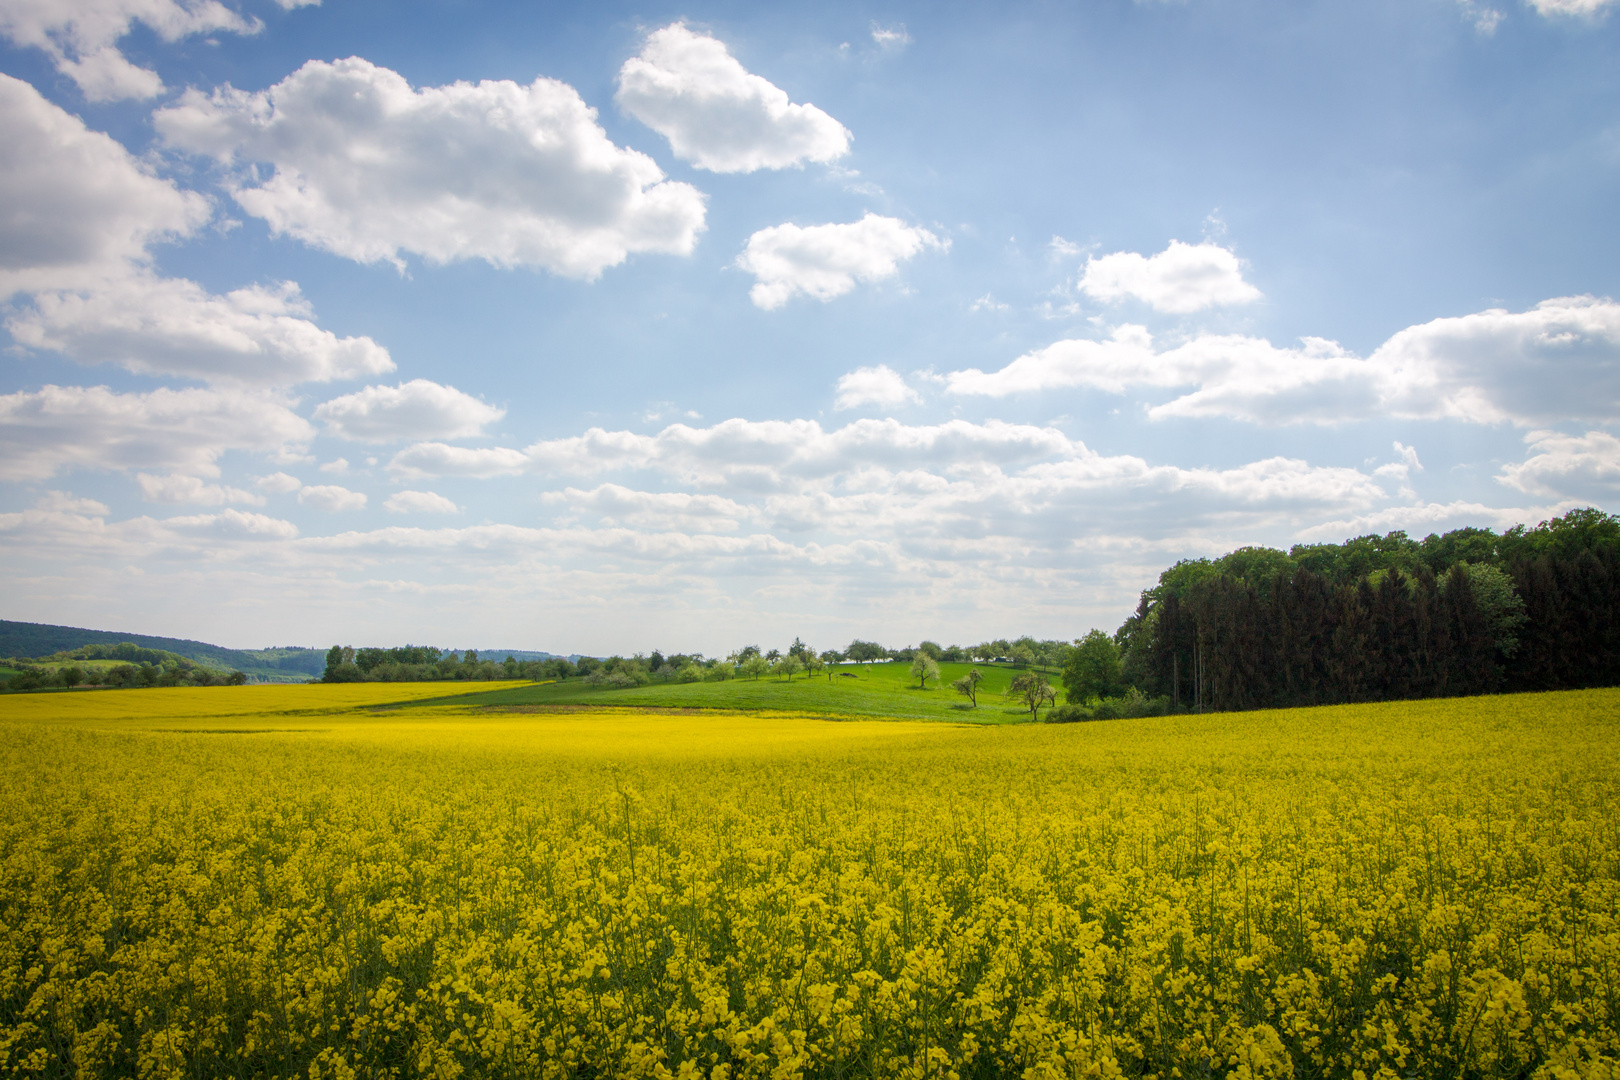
(343,673)
(1132,705)
(29,678)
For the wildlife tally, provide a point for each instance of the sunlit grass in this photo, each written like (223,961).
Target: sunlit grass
(885,689)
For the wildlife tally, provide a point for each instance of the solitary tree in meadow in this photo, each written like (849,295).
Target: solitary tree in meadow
(968,686)
(754,667)
(1034,691)
(924,668)
(831,658)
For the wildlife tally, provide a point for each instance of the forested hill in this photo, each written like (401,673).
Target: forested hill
(1381,618)
(25,640)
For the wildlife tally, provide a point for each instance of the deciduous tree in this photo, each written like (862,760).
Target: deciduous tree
(968,686)
(1093,669)
(1034,691)
(924,668)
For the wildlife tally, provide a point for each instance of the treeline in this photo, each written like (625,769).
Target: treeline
(424,663)
(419,663)
(1381,618)
(142,667)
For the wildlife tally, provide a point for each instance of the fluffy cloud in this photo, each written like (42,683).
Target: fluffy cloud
(826,261)
(715,114)
(878,523)
(232,525)
(953,501)
(879,465)
(1180,279)
(1559,360)
(78,207)
(419,502)
(81,36)
(1585,466)
(184,431)
(426,460)
(331,498)
(81,213)
(62,502)
(881,386)
(891,38)
(772,454)
(658,511)
(367,167)
(170,326)
(61,526)
(189,489)
(279,483)
(1584,9)
(418,409)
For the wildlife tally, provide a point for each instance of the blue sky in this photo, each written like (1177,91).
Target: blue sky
(607,328)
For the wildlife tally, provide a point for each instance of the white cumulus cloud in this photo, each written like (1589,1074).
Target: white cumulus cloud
(881,385)
(331,497)
(891,38)
(81,36)
(749,454)
(80,215)
(1182,278)
(1581,9)
(419,502)
(184,431)
(716,114)
(232,525)
(1558,361)
(78,206)
(170,326)
(826,261)
(62,502)
(419,409)
(1584,466)
(434,459)
(366,167)
(659,511)
(279,483)
(177,488)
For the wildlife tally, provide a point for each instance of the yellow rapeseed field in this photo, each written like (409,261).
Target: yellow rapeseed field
(204,883)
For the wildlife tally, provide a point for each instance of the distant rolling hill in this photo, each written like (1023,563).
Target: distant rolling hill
(289,664)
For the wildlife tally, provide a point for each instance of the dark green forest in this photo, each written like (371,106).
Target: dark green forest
(1381,618)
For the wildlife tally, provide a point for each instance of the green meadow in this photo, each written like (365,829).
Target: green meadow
(885,689)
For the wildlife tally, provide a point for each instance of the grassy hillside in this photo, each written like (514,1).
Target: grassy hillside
(23,640)
(853,690)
